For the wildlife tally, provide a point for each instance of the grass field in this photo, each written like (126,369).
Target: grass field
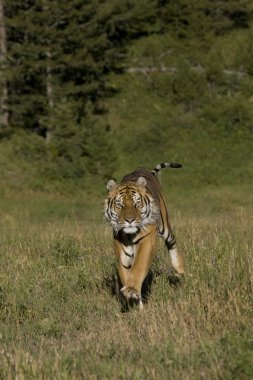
(60,320)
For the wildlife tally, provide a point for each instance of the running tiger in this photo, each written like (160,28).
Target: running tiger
(137,213)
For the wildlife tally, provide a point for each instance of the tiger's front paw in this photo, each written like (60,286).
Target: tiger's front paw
(132,295)
(130,292)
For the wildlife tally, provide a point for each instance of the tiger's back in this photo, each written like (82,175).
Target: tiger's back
(152,183)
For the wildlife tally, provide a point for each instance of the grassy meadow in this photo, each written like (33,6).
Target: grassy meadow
(174,85)
(60,319)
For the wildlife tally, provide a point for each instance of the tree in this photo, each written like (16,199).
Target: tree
(80,147)
(3,81)
(187,19)
(57,49)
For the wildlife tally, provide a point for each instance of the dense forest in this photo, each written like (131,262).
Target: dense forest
(85,85)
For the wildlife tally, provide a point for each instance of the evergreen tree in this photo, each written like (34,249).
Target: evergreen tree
(80,147)
(4,115)
(56,49)
(199,17)
(60,54)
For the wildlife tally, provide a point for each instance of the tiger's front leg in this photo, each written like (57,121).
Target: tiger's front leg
(133,270)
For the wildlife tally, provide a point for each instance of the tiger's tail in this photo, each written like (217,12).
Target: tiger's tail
(173,165)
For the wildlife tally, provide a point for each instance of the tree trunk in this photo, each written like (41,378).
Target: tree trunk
(4,115)
(49,88)
(49,85)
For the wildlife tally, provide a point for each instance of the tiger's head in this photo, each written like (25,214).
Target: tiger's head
(130,206)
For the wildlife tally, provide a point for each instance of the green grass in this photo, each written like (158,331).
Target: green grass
(58,316)
(59,319)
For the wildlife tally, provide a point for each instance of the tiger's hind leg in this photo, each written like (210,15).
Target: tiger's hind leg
(176,256)
(177,259)
(166,232)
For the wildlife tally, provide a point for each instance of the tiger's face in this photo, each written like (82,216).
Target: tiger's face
(130,207)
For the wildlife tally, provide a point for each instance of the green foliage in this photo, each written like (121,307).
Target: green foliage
(62,50)
(66,145)
(232,115)
(29,147)
(101,149)
(189,86)
(77,149)
(74,152)
(200,17)
(110,86)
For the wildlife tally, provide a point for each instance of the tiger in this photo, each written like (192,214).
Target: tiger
(136,210)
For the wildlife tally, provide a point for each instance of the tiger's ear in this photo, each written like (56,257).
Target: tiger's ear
(111,185)
(141,182)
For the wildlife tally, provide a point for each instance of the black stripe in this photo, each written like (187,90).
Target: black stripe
(161,231)
(140,239)
(127,254)
(170,245)
(126,267)
(170,241)
(175,165)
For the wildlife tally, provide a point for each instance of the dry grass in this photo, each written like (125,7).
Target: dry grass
(59,320)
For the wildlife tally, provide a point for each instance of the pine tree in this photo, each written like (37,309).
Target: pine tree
(57,49)
(80,147)
(4,115)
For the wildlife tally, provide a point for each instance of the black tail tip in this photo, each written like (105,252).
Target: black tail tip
(175,165)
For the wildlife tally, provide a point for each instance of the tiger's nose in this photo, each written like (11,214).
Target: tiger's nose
(129,220)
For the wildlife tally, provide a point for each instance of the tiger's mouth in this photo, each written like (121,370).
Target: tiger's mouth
(130,229)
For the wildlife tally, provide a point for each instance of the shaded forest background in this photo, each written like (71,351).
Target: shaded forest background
(92,89)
